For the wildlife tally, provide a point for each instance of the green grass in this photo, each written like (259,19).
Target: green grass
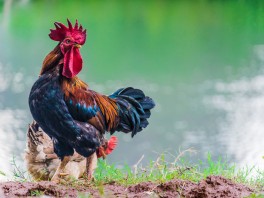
(255,196)
(36,193)
(162,171)
(18,173)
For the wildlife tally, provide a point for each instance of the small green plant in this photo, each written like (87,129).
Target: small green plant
(18,173)
(84,195)
(36,193)
(255,196)
(2,173)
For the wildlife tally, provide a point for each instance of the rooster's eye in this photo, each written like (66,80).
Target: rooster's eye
(68,41)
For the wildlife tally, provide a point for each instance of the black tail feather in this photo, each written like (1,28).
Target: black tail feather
(134,109)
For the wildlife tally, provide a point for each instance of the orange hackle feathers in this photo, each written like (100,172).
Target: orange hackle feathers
(108,108)
(51,60)
(70,86)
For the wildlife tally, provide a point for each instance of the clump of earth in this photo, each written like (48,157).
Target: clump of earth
(212,186)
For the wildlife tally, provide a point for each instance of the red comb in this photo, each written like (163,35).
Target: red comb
(61,32)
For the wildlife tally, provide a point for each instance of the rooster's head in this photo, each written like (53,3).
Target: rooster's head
(71,39)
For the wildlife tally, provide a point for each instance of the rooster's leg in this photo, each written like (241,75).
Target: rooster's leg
(91,163)
(60,169)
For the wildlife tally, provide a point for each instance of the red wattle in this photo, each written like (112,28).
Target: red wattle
(72,62)
(111,145)
(112,142)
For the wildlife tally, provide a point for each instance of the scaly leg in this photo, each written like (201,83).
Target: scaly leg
(60,169)
(91,163)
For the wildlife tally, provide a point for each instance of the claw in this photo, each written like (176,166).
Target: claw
(51,156)
(55,178)
(63,174)
(57,181)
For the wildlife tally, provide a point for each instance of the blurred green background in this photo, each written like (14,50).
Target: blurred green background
(200,60)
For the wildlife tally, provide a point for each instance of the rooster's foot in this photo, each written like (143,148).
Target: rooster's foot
(63,174)
(60,169)
(55,179)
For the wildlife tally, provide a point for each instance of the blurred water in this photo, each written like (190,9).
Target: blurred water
(201,61)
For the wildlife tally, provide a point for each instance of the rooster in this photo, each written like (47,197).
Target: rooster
(74,116)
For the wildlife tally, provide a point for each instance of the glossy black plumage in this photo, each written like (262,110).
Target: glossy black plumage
(48,108)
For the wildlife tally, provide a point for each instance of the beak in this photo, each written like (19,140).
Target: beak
(77,45)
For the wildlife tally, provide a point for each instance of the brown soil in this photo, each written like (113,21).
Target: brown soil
(212,186)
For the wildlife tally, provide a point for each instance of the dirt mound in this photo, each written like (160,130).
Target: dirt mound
(212,186)
(24,189)
(216,186)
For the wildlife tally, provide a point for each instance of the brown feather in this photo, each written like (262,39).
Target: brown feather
(77,91)
(51,60)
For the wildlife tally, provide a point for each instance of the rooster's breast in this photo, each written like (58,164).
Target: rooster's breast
(48,108)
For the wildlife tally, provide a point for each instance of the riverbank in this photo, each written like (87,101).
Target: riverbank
(158,179)
(212,186)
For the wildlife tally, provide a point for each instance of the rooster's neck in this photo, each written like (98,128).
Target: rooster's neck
(52,60)
(69,85)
